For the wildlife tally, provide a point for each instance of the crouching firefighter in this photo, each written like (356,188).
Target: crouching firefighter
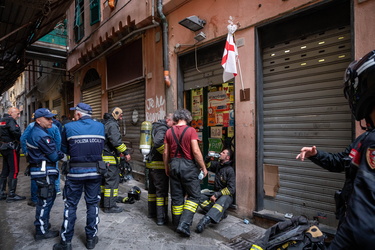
(158,180)
(216,203)
(114,149)
(43,155)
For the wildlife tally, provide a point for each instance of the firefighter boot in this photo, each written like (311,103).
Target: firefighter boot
(161,216)
(114,209)
(203,223)
(185,222)
(151,207)
(12,186)
(3,185)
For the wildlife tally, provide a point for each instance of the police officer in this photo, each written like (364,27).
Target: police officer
(114,148)
(55,134)
(158,180)
(217,203)
(10,134)
(183,162)
(83,141)
(42,156)
(357,227)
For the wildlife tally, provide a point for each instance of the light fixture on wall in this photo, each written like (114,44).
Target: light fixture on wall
(200,36)
(193,23)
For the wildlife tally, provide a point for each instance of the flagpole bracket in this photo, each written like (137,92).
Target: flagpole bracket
(244,95)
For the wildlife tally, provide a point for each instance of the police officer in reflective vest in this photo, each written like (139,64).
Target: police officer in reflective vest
(43,155)
(83,142)
(158,180)
(357,227)
(114,148)
(217,202)
(10,134)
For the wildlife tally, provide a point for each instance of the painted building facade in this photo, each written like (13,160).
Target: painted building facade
(287,94)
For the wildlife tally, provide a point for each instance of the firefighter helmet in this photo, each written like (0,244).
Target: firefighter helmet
(135,192)
(359,86)
(117,113)
(54,111)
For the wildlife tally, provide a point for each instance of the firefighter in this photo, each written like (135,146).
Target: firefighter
(183,162)
(43,155)
(10,134)
(359,199)
(216,203)
(158,180)
(114,149)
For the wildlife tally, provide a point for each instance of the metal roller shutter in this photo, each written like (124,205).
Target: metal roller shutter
(93,97)
(208,74)
(303,105)
(128,98)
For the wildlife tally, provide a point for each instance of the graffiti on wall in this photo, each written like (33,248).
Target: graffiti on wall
(155,109)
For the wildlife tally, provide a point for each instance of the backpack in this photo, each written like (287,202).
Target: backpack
(294,234)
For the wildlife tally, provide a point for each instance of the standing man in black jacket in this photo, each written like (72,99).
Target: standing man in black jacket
(114,148)
(217,202)
(10,134)
(357,227)
(158,180)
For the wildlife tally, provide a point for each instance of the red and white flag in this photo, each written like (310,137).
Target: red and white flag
(229,59)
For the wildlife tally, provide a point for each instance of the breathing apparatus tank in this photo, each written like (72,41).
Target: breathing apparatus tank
(145,139)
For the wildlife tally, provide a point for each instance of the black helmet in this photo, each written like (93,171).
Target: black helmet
(359,86)
(135,192)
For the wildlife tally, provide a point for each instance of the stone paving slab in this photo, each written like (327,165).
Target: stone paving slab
(130,229)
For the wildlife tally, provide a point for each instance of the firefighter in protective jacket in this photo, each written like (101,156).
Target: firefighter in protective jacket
(216,203)
(114,149)
(158,180)
(358,219)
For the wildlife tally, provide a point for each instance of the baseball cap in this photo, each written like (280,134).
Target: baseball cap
(43,112)
(83,107)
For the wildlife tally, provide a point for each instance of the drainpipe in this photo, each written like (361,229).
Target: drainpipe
(165,43)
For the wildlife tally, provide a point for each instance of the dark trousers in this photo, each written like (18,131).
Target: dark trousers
(184,180)
(111,182)
(11,159)
(44,206)
(348,238)
(158,193)
(216,210)
(72,193)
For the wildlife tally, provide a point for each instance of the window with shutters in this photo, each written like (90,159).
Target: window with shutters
(79,17)
(94,11)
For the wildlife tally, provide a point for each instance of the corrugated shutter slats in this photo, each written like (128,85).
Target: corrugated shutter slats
(304,106)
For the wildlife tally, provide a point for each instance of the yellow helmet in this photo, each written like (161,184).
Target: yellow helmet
(117,113)
(54,111)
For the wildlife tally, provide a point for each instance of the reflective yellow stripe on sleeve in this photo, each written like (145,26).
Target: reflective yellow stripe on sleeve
(121,148)
(225,191)
(160,149)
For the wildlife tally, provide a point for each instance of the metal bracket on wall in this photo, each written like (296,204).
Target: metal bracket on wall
(245,95)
